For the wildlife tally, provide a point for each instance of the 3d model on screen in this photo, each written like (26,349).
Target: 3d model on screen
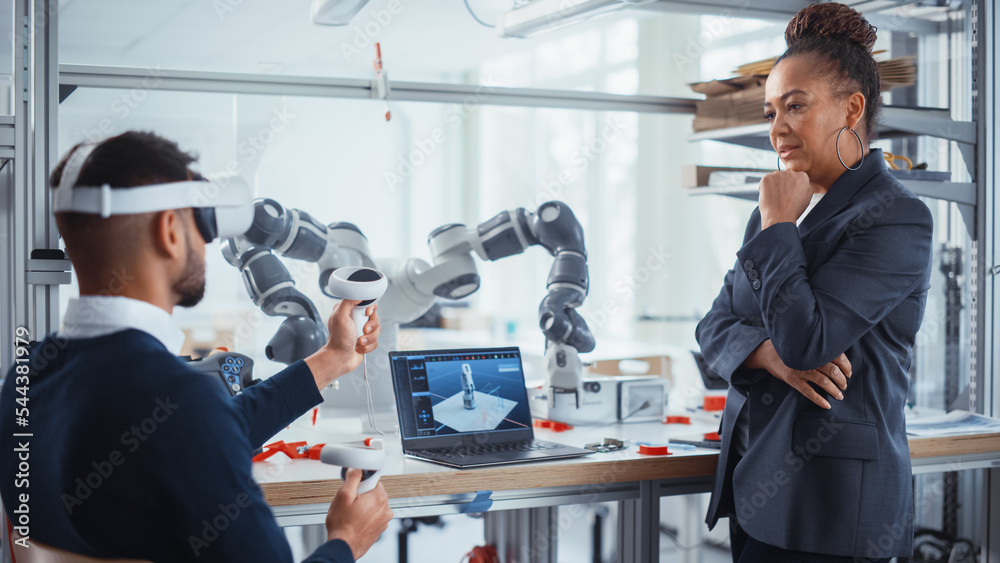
(457,404)
(468,388)
(413,284)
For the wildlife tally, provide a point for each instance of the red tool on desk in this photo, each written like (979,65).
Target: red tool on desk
(552,425)
(294,450)
(650,449)
(714,403)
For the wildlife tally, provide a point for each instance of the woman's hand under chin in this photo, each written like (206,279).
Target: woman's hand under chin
(784,197)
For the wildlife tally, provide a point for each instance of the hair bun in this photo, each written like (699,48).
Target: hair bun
(833,21)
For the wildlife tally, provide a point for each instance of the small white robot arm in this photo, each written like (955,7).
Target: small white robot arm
(468,388)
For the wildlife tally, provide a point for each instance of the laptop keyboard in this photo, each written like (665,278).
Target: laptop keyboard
(489,449)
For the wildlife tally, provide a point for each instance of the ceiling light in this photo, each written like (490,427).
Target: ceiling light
(335,12)
(546,15)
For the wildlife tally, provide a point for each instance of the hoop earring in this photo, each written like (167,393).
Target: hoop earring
(779,164)
(860,142)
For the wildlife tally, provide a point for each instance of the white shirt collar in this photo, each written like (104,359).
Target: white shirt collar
(90,316)
(812,203)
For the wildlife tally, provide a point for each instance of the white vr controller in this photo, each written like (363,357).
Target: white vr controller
(368,456)
(357,284)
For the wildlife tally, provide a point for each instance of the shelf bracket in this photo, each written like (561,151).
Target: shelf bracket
(968,213)
(969,156)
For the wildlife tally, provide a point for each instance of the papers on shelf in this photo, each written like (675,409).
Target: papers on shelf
(955,422)
(736,179)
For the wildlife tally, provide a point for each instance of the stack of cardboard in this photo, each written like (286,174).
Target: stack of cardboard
(894,73)
(729,103)
(740,101)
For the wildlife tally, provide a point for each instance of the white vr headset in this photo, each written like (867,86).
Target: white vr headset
(222,208)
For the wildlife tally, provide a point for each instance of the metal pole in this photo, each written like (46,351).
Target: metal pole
(477,94)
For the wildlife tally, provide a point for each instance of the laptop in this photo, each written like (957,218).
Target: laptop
(467,408)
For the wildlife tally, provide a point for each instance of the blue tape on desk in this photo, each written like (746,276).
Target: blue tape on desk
(481,503)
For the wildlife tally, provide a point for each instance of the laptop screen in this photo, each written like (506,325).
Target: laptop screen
(456,393)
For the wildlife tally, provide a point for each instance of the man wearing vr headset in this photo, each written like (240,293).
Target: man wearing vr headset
(133,453)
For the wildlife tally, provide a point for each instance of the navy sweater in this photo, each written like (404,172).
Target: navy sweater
(133,454)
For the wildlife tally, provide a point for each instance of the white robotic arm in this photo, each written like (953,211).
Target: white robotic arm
(454,276)
(295,234)
(413,285)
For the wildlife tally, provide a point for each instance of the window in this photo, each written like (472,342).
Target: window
(586,159)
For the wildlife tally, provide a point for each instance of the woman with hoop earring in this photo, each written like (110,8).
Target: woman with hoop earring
(815,325)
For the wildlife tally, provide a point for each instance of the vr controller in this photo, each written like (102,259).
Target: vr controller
(235,370)
(368,456)
(360,284)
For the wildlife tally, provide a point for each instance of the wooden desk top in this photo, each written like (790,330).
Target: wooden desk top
(295,482)
(961,444)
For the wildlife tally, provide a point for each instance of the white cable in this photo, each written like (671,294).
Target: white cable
(371,404)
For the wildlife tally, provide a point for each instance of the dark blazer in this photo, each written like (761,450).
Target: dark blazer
(134,454)
(852,278)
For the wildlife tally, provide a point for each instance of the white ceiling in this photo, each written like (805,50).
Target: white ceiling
(428,39)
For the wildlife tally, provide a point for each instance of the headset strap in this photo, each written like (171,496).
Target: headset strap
(71,171)
(106,201)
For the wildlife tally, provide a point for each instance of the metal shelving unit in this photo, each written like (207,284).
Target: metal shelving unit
(975,143)
(7,137)
(962,193)
(896,122)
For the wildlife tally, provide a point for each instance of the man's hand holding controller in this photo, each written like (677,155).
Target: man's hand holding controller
(344,350)
(358,519)
(360,511)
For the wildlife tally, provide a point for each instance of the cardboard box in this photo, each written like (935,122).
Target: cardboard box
(646,365)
